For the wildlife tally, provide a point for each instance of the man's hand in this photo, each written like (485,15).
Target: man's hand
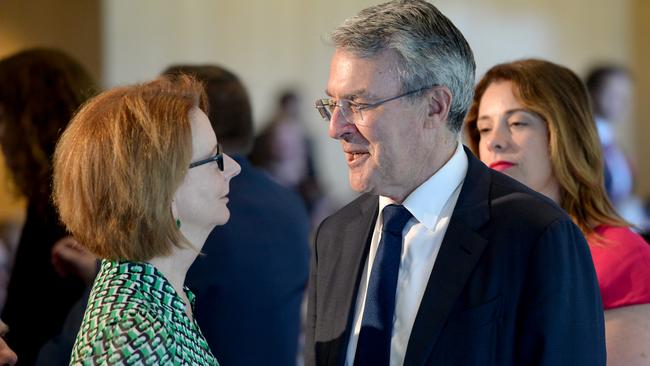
(7,355)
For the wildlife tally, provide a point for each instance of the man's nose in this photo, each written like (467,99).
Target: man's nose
(339,126)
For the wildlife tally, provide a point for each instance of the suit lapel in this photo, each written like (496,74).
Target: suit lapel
(459,252)
(355,240)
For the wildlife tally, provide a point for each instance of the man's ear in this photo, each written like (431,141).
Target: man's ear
(438,105)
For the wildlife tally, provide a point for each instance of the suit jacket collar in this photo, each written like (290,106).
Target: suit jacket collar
(351,261)
(461,249)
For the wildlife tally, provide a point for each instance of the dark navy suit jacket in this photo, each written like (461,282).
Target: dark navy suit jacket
(249,285)
(513,283)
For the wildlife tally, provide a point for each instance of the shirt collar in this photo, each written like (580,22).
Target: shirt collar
(426,202)
(604,131)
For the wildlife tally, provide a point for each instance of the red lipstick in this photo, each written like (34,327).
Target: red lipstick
(501,165)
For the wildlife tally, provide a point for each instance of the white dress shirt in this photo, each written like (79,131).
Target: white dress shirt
(431,205)
(619,167)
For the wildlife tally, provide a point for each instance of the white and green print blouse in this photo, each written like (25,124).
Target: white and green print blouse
(135,317)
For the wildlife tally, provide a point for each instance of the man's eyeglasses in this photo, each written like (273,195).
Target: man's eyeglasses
(353,111)
(218,158)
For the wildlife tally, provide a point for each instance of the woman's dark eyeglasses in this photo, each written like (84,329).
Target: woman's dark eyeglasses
(218,158)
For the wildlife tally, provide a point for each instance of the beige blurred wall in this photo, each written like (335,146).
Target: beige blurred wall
(71,25)
(272,44)
(280,43)
(269,44)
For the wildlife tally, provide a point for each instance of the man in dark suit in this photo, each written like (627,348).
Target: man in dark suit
(441,261)
(250,283)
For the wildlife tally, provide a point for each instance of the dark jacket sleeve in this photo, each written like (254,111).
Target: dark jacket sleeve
(310,321)
(561,320)
(56,352)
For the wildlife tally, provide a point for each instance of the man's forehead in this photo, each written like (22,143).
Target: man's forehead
(353,76)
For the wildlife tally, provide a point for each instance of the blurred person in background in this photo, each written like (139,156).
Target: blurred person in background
(6,259)
(40,89)
(284,151)
(611,90)
(532,120)
(282,148)
(140,179)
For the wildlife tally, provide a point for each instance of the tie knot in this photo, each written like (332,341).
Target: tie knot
(394,218)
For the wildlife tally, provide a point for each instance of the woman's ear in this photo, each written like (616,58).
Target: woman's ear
(438,105)
(174,208)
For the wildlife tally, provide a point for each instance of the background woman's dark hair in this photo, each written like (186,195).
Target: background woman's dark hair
(230,110)
(596,81)
(40,89)
(597,76)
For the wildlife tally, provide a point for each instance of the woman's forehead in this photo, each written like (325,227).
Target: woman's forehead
(203,137)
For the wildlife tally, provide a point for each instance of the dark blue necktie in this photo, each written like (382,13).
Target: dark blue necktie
(373,346)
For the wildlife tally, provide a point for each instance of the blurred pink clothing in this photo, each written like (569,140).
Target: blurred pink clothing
(622,261)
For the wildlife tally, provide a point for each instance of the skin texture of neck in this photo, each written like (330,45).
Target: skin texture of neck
(434,161)
(175,265)
(552,191)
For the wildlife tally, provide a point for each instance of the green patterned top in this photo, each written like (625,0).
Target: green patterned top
(134,317)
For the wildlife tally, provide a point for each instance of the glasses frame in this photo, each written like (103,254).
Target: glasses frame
(323,105)
(218,157)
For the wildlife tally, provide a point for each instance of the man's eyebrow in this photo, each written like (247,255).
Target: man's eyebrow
(356,94)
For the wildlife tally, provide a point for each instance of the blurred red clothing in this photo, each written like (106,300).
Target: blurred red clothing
(622,261)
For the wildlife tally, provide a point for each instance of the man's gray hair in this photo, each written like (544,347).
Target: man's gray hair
(432,51)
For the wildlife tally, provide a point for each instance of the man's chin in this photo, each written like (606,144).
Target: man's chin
(359,184)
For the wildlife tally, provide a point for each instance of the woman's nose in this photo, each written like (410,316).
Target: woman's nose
(498,139)
(231,168)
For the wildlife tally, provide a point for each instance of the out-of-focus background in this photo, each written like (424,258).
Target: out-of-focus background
(280,44)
